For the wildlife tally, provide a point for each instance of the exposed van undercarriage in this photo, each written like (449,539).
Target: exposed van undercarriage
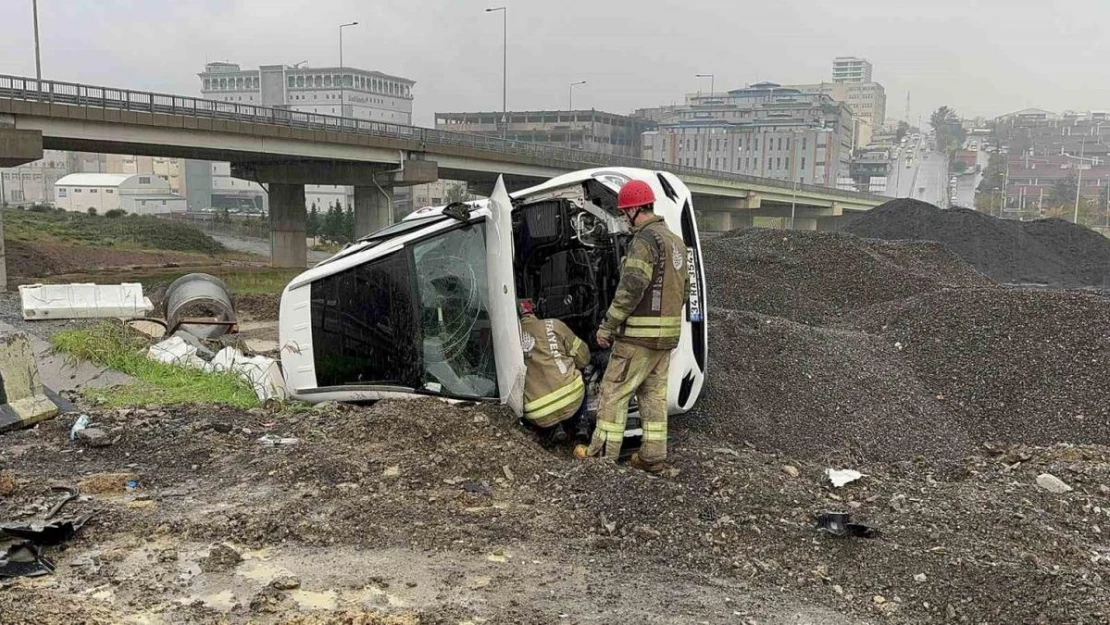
(568,256)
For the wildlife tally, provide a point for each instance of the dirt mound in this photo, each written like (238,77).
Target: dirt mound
(399,487)
(1053,252)
(33,260)
(811,276)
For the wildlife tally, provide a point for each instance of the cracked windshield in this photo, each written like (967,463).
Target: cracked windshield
(524,312)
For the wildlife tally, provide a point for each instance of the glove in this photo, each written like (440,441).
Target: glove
(604,338)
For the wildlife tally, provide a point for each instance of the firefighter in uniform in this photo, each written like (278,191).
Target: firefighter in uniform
(554,391)
(643,324)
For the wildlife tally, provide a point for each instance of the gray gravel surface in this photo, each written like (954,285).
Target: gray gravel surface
(1048,251)
(811,276)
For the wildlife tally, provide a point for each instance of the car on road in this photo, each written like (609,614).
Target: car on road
(427,307)
(909,163)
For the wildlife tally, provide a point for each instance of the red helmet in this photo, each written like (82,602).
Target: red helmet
(634,194)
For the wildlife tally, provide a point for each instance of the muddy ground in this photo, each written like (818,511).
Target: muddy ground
(435,514)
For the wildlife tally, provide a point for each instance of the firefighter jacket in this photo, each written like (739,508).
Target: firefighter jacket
(553,355)
(647,308)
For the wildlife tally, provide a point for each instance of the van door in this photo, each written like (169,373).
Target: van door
(502,300)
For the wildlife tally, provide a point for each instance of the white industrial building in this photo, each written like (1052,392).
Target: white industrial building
(339,91)
(142,194)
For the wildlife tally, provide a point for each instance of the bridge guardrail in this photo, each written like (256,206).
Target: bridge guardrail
(53,91)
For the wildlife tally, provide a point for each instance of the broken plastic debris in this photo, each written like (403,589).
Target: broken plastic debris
(81,423)
(25,560)
(840,477)
(271,440)
(261,372)
(175,351)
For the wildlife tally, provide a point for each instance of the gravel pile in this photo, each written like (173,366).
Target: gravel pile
(820,393)
(828,346)
(812,276)
(1052,252)
(1017,365)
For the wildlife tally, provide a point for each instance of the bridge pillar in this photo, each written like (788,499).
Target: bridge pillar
(17,147)
(288,226)
(373,209)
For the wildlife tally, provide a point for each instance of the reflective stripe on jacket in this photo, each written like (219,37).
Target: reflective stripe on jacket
(553,355)
(647,307)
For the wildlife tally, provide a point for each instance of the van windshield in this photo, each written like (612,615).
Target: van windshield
(416,319)
(457,341)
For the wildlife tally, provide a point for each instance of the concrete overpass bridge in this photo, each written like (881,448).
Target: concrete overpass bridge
(287,149)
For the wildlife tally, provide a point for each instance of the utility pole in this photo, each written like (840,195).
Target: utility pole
(712,82)
(570,93)
(1078,183)
(504,66)
(342,87)
(38,59)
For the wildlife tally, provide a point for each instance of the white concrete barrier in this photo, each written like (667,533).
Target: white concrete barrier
(83,301)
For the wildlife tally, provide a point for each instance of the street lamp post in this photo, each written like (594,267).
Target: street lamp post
(342,87)
(38,60)
(504,66)
(712,82)
(570,92)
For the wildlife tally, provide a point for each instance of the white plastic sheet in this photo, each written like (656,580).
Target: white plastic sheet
(840,477)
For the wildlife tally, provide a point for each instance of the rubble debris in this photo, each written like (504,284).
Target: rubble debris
(840,524)
(285,582)
(220,558)
(1052,252)
(95,437)
(23,399)
(262,373)
(176,351)
(79,424)
(199,304)
(71,494)
(1053,484)
(271,440)
(106,483)
(53,533)
(841,477)
(25,560)
(83,301)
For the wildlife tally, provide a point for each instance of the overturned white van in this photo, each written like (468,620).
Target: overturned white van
(427,306)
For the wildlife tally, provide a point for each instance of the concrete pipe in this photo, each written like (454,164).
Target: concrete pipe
(199,296)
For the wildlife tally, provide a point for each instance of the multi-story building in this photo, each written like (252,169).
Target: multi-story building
(33,183)
(340,91)
(851,69)
(852,84)
(591,130)
(762,130)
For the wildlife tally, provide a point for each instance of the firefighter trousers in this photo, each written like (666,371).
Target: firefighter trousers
(640,371)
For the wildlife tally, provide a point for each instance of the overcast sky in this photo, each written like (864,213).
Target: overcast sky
(983,57)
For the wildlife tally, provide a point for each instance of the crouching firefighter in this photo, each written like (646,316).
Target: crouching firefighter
(643,325)
(554,391)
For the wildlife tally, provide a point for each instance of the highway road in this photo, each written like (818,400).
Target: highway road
(967,183)
(926,177)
